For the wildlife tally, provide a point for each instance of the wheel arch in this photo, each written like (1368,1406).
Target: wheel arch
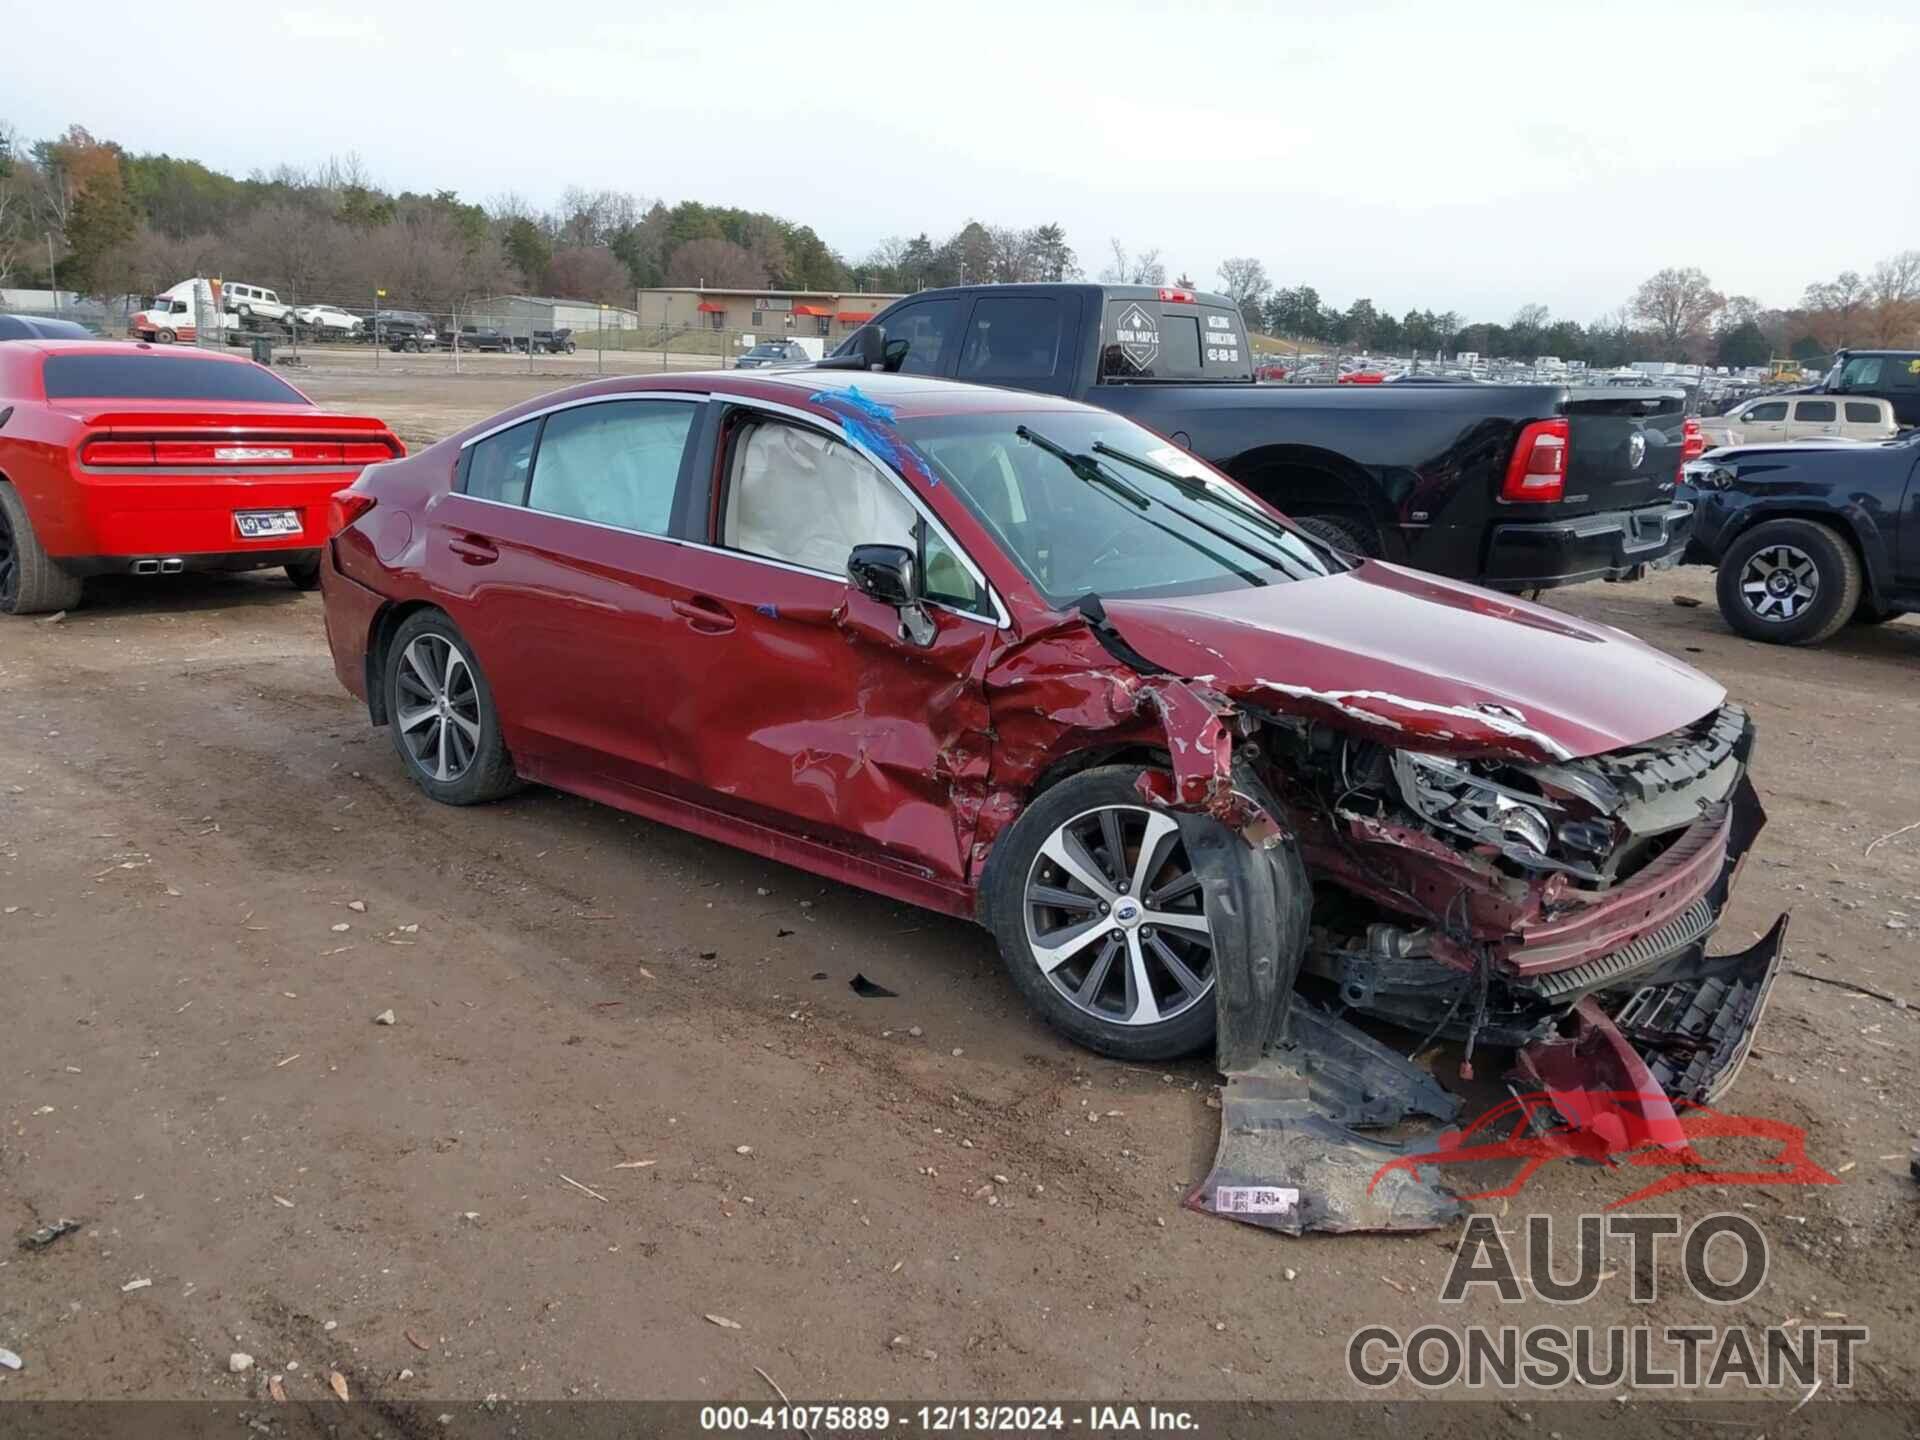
(1851,524)
(1310,480)
(1064,767)
(385,624)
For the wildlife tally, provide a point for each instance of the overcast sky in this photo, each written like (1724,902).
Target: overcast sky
(1467,157)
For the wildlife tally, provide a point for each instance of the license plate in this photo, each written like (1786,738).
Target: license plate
(266,524)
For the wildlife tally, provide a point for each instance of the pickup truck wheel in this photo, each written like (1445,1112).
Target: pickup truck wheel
(1101,920)
(31,581)
(411,346)
(1789,582)
(570,347)
(1356,537)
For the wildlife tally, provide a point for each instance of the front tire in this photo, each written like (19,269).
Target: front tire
(1101,920)
(442,714)
(164,337)
(31,581)
(1789,582)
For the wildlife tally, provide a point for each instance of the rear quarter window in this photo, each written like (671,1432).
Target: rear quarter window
(1859,412)
(1155,340)
(163,377)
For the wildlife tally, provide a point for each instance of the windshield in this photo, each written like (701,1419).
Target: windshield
(1101,520)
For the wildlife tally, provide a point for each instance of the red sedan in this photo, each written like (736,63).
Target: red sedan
(1018,659)
(119,458)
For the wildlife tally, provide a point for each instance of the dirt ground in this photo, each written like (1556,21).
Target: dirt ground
(628,1089)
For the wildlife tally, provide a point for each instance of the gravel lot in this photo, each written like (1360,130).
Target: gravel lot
(628,1088)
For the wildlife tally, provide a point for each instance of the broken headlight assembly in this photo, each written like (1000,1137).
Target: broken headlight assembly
(1529,829)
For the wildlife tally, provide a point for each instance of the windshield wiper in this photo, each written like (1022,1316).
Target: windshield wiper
(1086,467)
(1200,490)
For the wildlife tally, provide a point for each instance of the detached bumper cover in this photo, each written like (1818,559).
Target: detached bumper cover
(1610,545)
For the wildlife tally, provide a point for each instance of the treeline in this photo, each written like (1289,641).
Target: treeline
(109,221)
(106,221)
(1676,314)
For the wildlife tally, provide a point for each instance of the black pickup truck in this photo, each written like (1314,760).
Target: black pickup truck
(1517,487)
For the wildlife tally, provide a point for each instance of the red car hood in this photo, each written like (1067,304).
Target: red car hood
(1443,666)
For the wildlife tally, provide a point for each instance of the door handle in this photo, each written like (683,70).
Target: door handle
(705,614)
(475,549)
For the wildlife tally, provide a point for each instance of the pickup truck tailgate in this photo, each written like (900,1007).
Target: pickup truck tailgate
(1619,512)
(1623,449)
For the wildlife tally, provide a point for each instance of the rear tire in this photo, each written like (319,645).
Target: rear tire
(1789,582)
(1091,992)
(1356,537)
(304,577)
(453,751)
(31,581)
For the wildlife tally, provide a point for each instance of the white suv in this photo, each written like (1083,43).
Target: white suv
(250,302)
(1773,418)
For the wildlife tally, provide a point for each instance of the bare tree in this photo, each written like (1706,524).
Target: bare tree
(1145,268)
(1893,291)
(16,201)
(715,262)
(1677,304)
(1244,279)
(588,272)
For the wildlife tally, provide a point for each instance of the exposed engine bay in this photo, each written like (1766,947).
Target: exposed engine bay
(1559,909)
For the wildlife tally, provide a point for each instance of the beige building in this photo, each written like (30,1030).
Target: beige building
(763,314)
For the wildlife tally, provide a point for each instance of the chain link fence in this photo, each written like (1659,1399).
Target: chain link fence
(484,337)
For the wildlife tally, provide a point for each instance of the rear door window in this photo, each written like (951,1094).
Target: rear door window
(1859,412)
(1151,339)
(1015,337)
(615,463)
(1814,412)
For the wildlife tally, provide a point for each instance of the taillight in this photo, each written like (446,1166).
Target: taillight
(1692,442)
(1538,470)
(117,452)
(356,453)
(345,507)
(1177,297)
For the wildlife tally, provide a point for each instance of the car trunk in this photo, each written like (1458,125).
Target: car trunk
(1606,470)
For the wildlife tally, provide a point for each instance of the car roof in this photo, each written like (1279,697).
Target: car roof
(41,327)
(130,347)
(905,397)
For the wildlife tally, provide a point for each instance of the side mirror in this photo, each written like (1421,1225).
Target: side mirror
(891,575)
(888,573)
(866,349)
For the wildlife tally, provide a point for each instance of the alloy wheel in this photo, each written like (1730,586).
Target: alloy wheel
(1779,582)
(438,709)
(1116,919)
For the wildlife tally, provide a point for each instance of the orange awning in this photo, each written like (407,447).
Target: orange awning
(855,317)
(708,307)
(811,310)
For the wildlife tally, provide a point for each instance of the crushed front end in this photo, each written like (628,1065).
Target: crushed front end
(1557,907)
